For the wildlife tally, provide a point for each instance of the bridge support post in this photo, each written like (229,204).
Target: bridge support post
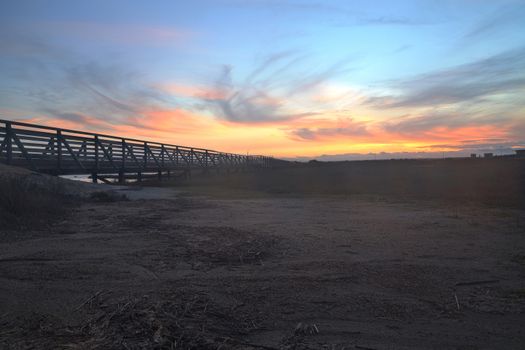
(206,155)
(59,151)
(123,165)
(9,142)
(96,159)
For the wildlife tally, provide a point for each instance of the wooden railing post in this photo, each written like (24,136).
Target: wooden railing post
(145,155)
(59,150)
(9,142)
(162,155)
(94,175)
(123,165)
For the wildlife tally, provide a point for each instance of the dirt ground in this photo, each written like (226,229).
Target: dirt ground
(176,270)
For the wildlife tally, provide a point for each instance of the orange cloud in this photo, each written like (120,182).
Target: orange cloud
(193,91)
(302,136)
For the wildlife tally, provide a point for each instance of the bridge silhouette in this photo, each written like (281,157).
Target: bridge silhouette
(59,151)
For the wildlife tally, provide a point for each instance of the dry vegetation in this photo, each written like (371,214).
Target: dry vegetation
(273,260)
(25,203)
(29,200)
(168,320)
(494,182)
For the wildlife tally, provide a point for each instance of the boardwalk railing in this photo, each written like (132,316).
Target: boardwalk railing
(63,151)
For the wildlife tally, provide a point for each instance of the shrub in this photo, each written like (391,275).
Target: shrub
(24,203)
(107,197)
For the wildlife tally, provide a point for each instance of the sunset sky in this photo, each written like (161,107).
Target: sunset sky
(295,79)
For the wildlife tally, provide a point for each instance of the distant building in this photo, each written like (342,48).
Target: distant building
(473,155)
(520,153)
(488,155)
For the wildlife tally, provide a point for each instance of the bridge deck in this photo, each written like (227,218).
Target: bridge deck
(63,151)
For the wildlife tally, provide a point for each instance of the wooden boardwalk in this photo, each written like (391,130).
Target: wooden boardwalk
(63,151)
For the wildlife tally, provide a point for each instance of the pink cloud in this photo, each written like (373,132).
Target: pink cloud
(193,91)
(128,34)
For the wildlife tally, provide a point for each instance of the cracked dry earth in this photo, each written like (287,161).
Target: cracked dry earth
(192,272)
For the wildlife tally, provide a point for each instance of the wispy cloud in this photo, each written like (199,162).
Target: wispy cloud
(114,33)
(499,146)
(22,45)
(345,128)
(389,21)
(505,16)
(68,81)
(111,87)
(268,92)
(104,94)
(499,74)
(410,124)
(294,6)
(346,14)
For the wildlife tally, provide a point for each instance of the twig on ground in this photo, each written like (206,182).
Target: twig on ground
(472,283)
(457,301)
(91,298)
(257,346)
(306,329)
(364,347)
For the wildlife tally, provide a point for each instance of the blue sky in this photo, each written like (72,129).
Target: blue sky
(290,78)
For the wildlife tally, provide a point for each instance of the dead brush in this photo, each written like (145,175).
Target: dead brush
(25,203)
(183,321)
(231,247)
(107,197)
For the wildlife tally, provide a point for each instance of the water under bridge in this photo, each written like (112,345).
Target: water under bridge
(60,151)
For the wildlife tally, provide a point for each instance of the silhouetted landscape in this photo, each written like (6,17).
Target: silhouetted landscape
(398,254)
(495,181)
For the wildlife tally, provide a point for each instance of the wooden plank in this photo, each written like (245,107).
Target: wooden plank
(148,150)
(50,146)
(23,151)
(25,138)
(82,149)
(130,152)
(106,154)
(184,157)
(170,157)
(198,158)
(59,150)
(9,142)
(104,180)
(3,145)
(64,141)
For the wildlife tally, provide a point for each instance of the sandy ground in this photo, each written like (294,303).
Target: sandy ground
(364,273)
